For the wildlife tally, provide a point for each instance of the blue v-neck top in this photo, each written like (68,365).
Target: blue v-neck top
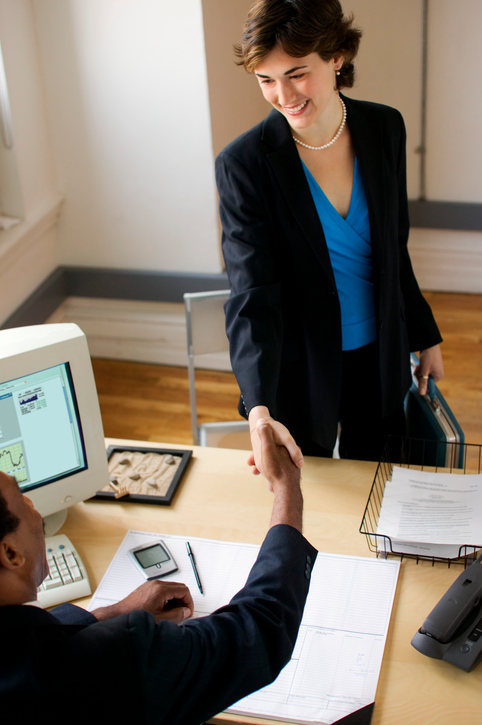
(349,246)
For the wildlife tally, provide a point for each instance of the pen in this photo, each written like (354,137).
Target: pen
(194,568)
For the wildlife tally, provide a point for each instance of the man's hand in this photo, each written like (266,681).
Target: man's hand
(165,600)
(276,464)
(283,478)
(282,436)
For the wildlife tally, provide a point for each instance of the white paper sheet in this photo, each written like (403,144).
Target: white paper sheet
(440,551)
(433,508)
(222,570)
(336,663)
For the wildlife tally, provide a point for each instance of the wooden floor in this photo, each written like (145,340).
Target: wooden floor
(151,402)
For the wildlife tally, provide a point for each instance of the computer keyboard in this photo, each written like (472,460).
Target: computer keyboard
(67,577)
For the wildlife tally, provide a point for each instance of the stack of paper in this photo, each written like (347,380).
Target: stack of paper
(338,654)
(432,514)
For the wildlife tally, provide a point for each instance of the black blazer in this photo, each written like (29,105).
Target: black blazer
(65,667)
(283,317)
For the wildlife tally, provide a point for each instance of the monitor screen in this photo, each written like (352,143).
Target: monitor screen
(51,434)
(41,436)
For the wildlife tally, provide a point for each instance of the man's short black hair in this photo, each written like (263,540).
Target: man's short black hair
(8,521)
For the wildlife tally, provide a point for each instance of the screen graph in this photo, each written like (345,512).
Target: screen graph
(12,461)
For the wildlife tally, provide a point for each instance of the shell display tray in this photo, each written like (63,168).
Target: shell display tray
(149,475)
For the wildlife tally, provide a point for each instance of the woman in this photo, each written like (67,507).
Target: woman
(324,307)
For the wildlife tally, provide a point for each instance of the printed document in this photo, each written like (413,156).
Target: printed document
(336,663)
(423,508)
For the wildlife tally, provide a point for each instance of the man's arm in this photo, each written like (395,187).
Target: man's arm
(165,600)
(217,660)
(183,675)
(172,600)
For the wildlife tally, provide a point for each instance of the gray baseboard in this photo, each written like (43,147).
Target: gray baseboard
(445,215)
(124,284)
(111,284)
(41,303)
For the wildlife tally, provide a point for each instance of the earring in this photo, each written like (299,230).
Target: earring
(337,73)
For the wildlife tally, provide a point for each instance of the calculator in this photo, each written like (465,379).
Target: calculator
(153,560)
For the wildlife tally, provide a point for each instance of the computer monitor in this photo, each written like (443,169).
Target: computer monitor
(51,434)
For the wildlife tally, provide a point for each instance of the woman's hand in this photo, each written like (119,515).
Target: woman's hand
(282,437)
(431,363)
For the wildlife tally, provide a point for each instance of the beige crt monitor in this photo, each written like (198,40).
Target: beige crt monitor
(51,435)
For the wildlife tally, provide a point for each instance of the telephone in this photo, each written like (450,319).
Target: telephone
(453,629)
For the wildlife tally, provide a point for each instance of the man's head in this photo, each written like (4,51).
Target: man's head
(23,562)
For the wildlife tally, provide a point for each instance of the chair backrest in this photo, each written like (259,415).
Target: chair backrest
(205,322)
(208,346)
(206,335)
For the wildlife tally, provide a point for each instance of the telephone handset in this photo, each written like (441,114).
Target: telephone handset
(453,629)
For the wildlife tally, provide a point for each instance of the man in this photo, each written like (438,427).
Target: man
(132,662)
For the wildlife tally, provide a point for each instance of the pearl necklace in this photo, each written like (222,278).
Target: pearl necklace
(335,137)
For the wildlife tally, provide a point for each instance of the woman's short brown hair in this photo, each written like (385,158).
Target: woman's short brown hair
(300,27)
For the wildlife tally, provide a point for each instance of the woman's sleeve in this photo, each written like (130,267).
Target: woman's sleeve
(421,326)
(253,312)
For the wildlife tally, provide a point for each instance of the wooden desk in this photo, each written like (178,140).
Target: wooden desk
(220,499)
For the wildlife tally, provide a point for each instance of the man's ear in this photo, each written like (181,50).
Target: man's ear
(10,557)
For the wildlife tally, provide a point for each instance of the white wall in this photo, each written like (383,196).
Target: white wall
(451,260)
(110,109)
(454,160)
(127,99)
(386,72)
(28,251)
(389,71)
(235,99)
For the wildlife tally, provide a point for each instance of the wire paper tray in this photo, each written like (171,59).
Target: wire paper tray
(420,455)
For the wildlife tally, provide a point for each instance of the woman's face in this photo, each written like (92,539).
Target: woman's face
(302,89)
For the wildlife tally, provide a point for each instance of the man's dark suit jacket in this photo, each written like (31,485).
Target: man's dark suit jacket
(283,317)
(130,670)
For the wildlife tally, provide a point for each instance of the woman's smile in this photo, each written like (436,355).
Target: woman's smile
(295,110)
